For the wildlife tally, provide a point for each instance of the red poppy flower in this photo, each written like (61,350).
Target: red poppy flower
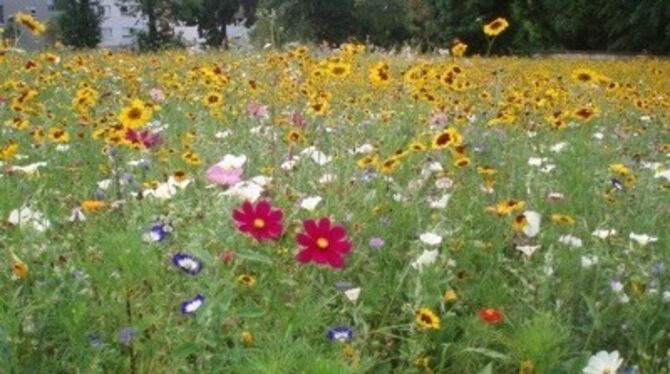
(323,243)
(259,221)
(491,316)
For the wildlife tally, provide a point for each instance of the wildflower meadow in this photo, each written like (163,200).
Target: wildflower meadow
(345,210)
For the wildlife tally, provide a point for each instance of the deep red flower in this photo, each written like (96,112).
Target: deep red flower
(259,221)
(323,243)
(491,316)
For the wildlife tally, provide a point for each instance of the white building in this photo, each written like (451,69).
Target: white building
(119,24)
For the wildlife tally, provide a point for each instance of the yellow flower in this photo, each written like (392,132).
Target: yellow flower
(427,320)
(506,207)
(247,280)
(19,268)
(247,337)
(213,100)
(526,367)
(339,69)
(379,74)
(459,48)
(93,205)
(562,219)
(496,27)
(36,27)
(620,170)
(450,296)
(446,138)
(58,135)
(9,151)
(191,158)
(136,115)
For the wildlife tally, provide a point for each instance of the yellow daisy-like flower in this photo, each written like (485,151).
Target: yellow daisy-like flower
(496,27)
(136,115)
(620,170)
(562,219)
(459,48)
(90,206)
(247,337)
(31,23)
(58,135)
(427,320)
(247,280)
(213,100)
(506,207)
(19,268)
(450,296)
(339,70)
(8,151)
(446,138)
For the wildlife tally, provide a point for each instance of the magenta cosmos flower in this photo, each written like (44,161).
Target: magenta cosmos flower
(323,243)
(259,221)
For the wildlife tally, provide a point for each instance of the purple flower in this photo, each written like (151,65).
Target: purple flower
(376,243)
(126,335)
(187,263)
(340,333)
(95,340)
(157,233)
(192,305)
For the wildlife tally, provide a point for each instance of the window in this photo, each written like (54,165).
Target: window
(105,10)
(106,33)
(2,14)
(32,10)
(51,6)
(124,10)
(128,32)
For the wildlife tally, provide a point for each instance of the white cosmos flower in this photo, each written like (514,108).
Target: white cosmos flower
(29,169)
(603,363)
(62,148)
(317,156)
(232,162)
(435,167)
(532,228)
(431,238)
(599,135)
(363,149)
(245,190)
(104,184)
(537,161)
(163,191)
(440,203)
(352,294)
(571,241)
(527,250)
(26,216)
(310,203)
(604,233)
(223,134)
(643,239)
(663,174)
(289,164)
(558,147)
(589,261)
(426,258)
(326,178)
(179,184)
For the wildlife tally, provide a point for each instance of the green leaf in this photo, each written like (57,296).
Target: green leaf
(254,257)
(488,369)
(488,353)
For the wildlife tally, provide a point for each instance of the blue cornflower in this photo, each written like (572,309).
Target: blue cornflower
(126,335)
(157,232)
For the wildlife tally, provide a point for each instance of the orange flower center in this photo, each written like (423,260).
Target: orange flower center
(259,223)
(322,243)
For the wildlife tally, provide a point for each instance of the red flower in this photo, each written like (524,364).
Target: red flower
(146,138)
(491,316)
(323,243)
(259,221)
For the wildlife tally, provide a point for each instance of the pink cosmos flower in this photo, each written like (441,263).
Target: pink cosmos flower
(157,95)
(255,110)
(228,171)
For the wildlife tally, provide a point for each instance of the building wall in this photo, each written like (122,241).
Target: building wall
(43,10)
(118,28)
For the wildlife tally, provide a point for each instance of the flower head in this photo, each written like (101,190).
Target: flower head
(259,220)
(603,363)
(192,305)
(340,333)
(427,320)
(157,232)
(323,243)
(187,263)
(491,316)
(496,27)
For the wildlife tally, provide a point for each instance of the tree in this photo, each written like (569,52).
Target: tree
(80,23)
(159,16)
(212,17)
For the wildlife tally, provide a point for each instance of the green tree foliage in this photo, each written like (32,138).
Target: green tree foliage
(159,15)
(212,17)
(535,25)
(79,23)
